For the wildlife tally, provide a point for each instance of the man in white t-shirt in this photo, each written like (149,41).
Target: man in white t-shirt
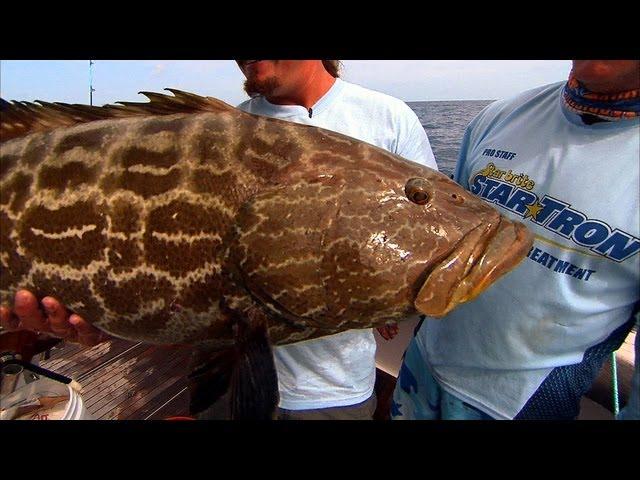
(331,377)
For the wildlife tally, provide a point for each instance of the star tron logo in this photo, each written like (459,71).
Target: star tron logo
(553,214)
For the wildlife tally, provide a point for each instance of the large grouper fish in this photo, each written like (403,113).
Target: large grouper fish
(184,220)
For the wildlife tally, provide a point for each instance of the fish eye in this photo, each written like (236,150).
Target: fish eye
(419,197)
(417,190)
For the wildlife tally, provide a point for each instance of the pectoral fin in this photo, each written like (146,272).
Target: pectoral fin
(240,383)
(254,385)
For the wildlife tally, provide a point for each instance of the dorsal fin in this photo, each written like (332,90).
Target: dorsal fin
(18,119)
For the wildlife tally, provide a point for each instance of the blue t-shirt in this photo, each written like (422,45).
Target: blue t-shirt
(339,370)
(576,186)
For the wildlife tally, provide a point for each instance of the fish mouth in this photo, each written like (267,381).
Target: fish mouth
(478,260)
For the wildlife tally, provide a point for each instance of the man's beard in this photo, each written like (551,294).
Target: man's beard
(265,87)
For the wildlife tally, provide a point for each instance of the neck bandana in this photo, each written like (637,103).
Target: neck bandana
(604,106)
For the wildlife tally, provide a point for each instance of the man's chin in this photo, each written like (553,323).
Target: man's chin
(261,87)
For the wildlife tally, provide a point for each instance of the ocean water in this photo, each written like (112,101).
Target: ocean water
(445,122)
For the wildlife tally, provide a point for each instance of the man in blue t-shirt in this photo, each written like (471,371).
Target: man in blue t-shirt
(562,158)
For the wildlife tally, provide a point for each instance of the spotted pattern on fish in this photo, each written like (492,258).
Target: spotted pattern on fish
(166,222)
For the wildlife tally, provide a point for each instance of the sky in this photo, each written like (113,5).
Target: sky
(410,80)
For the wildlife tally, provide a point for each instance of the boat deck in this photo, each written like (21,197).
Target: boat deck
(122,380)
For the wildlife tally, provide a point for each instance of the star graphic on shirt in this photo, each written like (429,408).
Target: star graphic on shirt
(533,210)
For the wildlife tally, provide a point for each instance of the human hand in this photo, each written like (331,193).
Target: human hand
(388,331)
(55,320)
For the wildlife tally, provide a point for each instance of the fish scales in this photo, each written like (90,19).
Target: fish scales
(166,222)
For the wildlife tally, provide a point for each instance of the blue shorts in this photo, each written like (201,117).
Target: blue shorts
(418,396)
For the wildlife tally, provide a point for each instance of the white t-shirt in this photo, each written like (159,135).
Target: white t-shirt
(339,370)
(576,187)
